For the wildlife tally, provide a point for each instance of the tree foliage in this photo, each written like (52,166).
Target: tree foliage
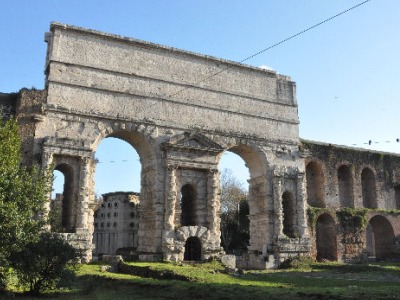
(234,213)
(23,192)
(41,265)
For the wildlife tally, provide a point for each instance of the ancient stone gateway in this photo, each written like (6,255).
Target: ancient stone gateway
(100,85)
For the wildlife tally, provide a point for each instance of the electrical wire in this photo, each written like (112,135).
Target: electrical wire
(271,47)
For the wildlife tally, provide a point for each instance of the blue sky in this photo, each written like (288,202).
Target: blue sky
(346,70)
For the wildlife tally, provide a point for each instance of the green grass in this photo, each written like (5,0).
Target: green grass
(210,281)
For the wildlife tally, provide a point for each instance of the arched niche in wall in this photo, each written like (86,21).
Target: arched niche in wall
(62,216)
(188,205)
(368,185)
(289,215)
(380,239)
(397,196)
(315,185)
(326,238)
(345,186)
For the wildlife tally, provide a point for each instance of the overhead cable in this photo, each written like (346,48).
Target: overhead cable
(272,46)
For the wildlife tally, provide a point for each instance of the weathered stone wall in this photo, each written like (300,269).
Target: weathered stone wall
(385,167)
(154,97)
(8,104)
(101,85)
(351,217)
(115,76)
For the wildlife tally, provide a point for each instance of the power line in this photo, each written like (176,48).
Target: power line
(370,142)
(272,46)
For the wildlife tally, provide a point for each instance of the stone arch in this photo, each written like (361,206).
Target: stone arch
(192,249)
(380,238)
(326,238)
(315,184)
(259,188)
(184,233)
(345,186)
(368,185)
(68,201)
(289,215)
(188,205)
(142,139)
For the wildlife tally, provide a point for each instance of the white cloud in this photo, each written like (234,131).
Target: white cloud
(265,67)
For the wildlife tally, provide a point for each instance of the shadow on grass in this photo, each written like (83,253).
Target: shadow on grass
(93,284)
(379,267)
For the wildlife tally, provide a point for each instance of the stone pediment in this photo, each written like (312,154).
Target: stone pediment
(192,141)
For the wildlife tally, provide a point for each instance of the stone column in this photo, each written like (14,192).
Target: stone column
(213,207)
(301,206)
(170,196)
(278,212)
(85,177)
(260,204)
(47,160)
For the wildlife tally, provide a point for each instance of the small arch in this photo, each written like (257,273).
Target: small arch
(397,196)
(345,185)
(188,205)
(326,238)
(380,238)
(368,188)
(289,210)
(315,185)
(192,249)
(67,204)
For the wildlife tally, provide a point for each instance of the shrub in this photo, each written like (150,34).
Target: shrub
(44,264)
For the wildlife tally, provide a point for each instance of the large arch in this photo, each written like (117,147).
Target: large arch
(368,185)
(150,222)
(345,185)
(326,238)
(315,184)
(380,238)
(259,186)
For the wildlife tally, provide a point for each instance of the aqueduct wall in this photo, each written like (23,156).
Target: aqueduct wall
(154,97)
(100,85)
